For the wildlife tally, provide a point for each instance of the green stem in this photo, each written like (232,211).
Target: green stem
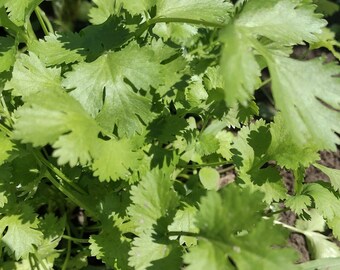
(68,253)
(291,228)
(59,173)
(6,111)
(41,21)
(181,233)
(46,20)
(30,31)
(77,240)
(70,195)
(212,164)
(5,130)
(156,20)
(277,212)
(185,20)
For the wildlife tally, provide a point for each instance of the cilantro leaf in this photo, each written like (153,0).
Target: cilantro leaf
(20,11)
(208,10)
(283,21)
(114,158)
(5,147)
(239,68)
(333,174)
(31,76)
(108,83)
(220,223)
(319,90)
(7,53)
(21,235)
(285,150)
(152,199)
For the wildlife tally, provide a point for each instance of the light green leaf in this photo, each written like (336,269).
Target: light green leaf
(114,159)
(209,178)
(107,95)
(153,198)
(239,68)
(53,49)
(284,148)
(102,10)
(21,236)
(30,76)
(20,10)
(215,11)
(333,174)
(322,264)
(284,21)
(307,99)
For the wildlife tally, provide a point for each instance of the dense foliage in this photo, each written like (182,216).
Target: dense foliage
(119,143)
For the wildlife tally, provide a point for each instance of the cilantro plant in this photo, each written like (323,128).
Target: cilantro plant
(114,138)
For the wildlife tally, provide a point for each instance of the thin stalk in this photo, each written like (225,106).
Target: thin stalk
(46,20)
(69,194)
(41,21)
(5,130)
(291,228)
(76,240)
(30,31)
(181,233)
(6,111)
(228,169)
(58,172)
(212,164)
(68,253)
(185,20)
(277,212)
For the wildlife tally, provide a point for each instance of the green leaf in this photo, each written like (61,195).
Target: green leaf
(327,7)
(209,10)
(147,253)
(225,232)
(66,126)
(21,236)
(153,198)
(108,83)
(53,49)
(327,40)
(114,159)
(284,21)
(333,174)
(240,71)
(7,53)
(110,247)
(319,245)
(307,99)
(102,10)
(284,148)
(326,203)
(209,178)
(30,76)
(6,146)
(322,264)
(20,11)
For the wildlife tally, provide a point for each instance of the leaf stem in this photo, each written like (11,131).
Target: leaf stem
(182,233)
(77,240)
(6,111)
(212,164)
(46,20)
(41,21)
(68,253)
(184,20)
(69,194)
(5,130)
(59,173)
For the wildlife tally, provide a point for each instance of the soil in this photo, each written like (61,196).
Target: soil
(298,241)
